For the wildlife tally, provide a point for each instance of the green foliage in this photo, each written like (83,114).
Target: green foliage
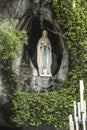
(11,41)
(73,22)
(7,24)
(33,109)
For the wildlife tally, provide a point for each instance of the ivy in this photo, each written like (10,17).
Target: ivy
(10,43)
(33,109)
(73,22)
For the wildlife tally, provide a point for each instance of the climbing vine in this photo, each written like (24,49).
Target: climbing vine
(54,107)
(10,43)
(73,22)
(33,109)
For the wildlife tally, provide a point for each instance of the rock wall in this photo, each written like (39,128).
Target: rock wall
(14,9)
(22,12)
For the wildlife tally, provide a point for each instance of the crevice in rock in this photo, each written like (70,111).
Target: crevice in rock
(59,67)
(35,34)
(27,16)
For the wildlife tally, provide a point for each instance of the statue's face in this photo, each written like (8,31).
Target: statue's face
(45,33)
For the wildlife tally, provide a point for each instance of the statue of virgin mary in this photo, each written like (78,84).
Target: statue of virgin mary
(44,55)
